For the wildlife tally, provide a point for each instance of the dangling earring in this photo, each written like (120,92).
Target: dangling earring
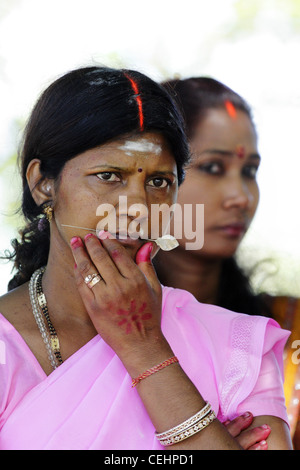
(48,211)
(43,222)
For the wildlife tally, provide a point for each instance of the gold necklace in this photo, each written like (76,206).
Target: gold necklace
(39,303)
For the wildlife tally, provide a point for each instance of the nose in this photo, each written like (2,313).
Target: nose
(132,210)
(237,194)
(133,203)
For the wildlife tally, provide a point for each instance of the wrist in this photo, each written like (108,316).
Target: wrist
(142,357)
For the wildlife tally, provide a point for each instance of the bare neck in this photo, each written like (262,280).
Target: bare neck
(184,270)
(59,284)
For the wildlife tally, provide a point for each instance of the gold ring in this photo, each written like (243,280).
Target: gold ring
(88,278)
(92,279)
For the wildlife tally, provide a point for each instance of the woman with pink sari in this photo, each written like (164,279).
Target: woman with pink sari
(97,354)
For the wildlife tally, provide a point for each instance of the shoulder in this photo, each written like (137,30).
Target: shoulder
(232,329)
(227,347)
(208,314)
(15,307)
(19,370)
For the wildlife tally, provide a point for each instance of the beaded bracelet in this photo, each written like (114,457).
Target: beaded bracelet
(154,369)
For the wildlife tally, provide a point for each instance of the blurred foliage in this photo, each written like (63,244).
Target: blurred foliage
(11,193)
(248,14)
(6,6)
(292,7)
(10,162)
(11,184)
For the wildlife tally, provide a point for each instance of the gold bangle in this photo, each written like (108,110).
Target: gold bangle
(194,429)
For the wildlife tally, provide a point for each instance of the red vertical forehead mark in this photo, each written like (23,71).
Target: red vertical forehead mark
(240,151)
(230,108)
(138,100)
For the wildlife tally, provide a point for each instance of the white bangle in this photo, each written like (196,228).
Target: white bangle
(185,426)
(194,429)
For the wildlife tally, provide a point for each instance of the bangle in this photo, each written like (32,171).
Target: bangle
(154,369)
(188,428)
(186,424)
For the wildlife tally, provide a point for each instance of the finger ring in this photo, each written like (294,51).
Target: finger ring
(88,278)
(92,279)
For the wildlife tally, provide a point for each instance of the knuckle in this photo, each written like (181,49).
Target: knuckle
(84,267)
(97,253)
(116,254)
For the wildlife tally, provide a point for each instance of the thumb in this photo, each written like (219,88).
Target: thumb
(143,260)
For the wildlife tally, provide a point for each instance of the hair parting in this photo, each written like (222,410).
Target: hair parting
(230,108)
(138,100)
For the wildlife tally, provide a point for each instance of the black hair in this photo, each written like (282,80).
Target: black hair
(235,292)
(79,111)
(195,97)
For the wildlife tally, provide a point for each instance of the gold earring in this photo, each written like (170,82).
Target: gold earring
(48,211)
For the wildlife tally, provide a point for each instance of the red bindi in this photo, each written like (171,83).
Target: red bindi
(230,108)
(140,170)
(240,151)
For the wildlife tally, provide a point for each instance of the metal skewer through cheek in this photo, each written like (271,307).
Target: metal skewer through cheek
(166,242)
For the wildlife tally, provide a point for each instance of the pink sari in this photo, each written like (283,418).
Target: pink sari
(234,360)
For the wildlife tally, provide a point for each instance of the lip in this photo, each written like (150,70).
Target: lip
(234,230)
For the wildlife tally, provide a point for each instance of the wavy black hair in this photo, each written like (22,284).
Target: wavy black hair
(79,111)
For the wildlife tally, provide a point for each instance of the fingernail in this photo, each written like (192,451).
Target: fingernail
(76,242)
(264,426)
(263,445)
(103,235)
(88,236)
(144,253)
(246,415)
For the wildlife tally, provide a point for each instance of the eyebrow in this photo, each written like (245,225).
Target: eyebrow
(112,167)
(228,153)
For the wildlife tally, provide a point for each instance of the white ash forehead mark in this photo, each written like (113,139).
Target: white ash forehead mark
(143,146)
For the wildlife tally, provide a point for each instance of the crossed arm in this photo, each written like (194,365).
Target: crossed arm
(169,396)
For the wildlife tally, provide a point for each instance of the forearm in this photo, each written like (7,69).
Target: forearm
(126,311)
(170,398)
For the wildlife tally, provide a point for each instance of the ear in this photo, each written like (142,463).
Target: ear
(41,188)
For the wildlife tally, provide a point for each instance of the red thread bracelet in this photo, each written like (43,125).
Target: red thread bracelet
(154,369)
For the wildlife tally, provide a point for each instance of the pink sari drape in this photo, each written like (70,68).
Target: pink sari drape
(234,360)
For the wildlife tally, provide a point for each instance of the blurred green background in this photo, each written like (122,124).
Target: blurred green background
(253,46)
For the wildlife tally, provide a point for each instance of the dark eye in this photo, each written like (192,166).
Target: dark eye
(108,176)
(250,171)
(213,168)
(159,182)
